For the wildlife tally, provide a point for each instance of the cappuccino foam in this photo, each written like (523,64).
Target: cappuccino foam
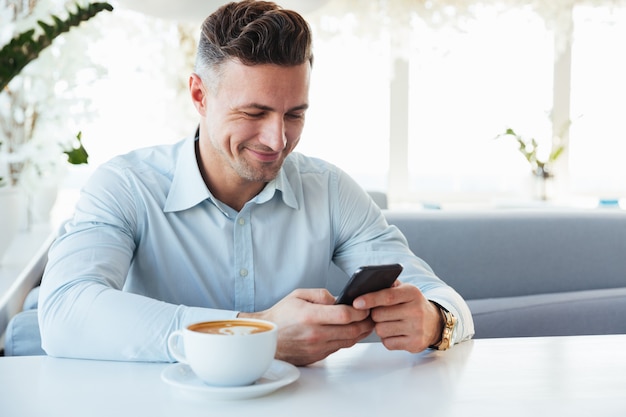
(230,328)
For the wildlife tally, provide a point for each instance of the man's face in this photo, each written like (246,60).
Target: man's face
(252,120)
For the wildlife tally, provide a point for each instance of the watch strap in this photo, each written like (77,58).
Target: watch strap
(449,322)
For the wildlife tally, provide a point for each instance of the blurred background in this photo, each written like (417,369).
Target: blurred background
(413,98)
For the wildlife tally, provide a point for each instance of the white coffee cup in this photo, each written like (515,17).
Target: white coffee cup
(226,353)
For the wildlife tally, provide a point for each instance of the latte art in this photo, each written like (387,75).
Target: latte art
(238,330)
(231,328)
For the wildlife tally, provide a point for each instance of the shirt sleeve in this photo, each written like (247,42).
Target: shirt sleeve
(363,237)
(82,311)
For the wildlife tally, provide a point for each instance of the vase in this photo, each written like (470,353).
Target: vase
(12,213)
(541,187)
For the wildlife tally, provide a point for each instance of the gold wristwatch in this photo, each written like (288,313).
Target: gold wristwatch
(449,322)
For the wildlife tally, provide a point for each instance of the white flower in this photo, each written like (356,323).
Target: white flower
(42,107)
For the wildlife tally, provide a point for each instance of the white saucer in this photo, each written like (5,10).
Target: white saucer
(280,374)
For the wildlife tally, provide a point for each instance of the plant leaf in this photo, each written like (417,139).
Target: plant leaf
(24,47)
(78,154)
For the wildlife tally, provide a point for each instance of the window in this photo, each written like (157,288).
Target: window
(461,86)
(348,120)
(597,136)
(465,87)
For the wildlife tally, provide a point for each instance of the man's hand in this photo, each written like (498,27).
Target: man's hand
(311,327)
(404,319)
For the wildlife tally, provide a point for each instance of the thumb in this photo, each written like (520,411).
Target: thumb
(315,295)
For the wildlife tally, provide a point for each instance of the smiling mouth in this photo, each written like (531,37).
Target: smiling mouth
(265,156)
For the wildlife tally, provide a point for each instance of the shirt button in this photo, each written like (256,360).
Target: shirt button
(242,221)
(243,272)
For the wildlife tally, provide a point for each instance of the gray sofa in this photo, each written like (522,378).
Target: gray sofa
(538,272)
(523,272)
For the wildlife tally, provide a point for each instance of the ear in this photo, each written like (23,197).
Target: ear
(198,93)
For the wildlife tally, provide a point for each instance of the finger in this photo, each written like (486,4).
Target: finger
(396,312)
(315,295)
(399,343)
(311,344)
(320,308)
(304,354)
(402,293)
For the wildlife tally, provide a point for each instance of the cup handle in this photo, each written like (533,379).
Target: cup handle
(173,346)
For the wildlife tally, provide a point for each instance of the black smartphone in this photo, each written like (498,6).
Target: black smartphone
(368,279)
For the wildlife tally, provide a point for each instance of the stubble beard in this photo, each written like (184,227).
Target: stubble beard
(253,173)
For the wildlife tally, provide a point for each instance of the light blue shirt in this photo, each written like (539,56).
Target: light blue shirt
(150,250)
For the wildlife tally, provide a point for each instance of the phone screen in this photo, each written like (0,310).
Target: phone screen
(368,279)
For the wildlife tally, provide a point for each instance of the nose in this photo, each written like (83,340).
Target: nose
(274,135)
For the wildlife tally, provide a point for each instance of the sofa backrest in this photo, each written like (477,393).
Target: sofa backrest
(497,253)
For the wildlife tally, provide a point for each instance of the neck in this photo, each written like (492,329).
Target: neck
(234,192)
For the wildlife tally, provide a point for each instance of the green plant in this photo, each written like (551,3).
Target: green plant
(27,46)
(78,154)
(529,148)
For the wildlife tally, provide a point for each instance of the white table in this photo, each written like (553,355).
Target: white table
(564,376)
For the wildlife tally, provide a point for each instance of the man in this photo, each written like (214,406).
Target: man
(232,223)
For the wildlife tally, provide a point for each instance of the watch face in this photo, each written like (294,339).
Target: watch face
(449,327)
(448,331)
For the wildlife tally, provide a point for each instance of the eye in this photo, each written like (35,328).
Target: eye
(256,115)
(294,116)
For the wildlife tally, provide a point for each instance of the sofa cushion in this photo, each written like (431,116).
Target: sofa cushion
(22,335)
(508,253)
(560,314)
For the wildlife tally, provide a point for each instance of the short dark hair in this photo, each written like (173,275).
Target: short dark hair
(253,32)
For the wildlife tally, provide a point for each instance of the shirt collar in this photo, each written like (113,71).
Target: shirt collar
(189,189)
(280,183)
